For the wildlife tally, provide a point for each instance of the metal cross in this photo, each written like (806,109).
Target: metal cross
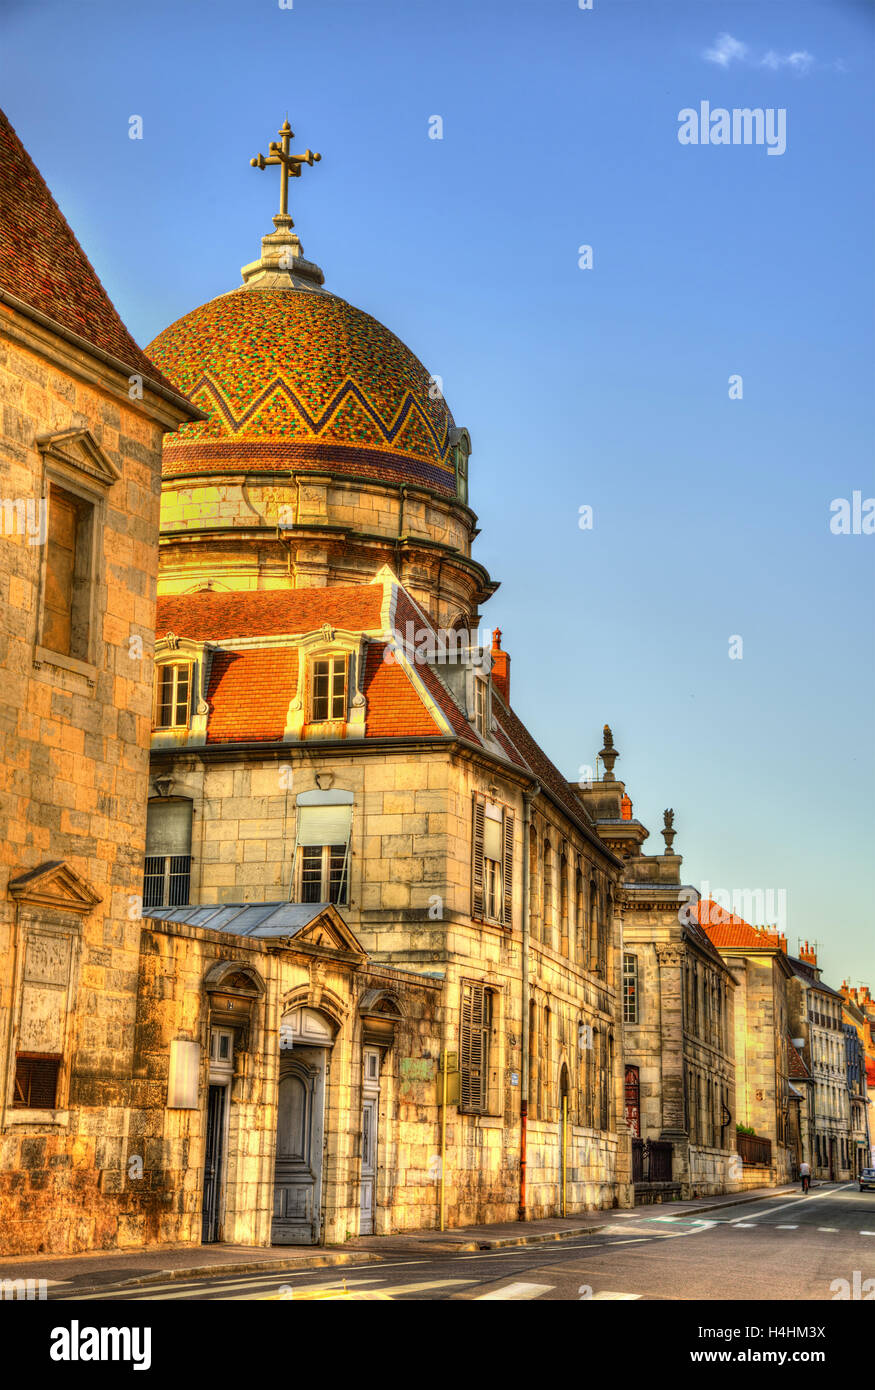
(290,164)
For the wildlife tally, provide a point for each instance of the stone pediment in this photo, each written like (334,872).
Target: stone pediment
(55,885)
(330,932)
(77,449)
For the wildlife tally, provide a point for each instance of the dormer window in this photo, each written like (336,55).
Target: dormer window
(481,705)
(328,689)
(173,695)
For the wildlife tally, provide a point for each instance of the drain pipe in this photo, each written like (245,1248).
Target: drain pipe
(528,798)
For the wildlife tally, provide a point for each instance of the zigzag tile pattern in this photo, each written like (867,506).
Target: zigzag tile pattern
(297,375)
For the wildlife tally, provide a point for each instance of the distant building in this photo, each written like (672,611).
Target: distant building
(766,1094)
(677,1013)
(815,1012)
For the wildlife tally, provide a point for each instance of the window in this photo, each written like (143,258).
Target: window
(66,617)
(474,1039)
(328,689)
(173,695)
(167,877)
(630,989)
(481,705)
(492,862)
(324,824)
(563,903)
(36,1080)
(323,873)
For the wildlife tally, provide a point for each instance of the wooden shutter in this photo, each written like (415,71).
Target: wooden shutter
(477,904)
(473,1048)
(507,871)
(60,567)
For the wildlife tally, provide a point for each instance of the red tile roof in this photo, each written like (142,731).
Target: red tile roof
(514,733)
(394,708)
(210,616)
(42,263)
(249,694)
(727,931)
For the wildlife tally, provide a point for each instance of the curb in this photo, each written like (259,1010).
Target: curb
(162,1276)
(326,1260)
(717,1206)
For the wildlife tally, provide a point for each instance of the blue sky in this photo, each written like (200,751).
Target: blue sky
(606,387)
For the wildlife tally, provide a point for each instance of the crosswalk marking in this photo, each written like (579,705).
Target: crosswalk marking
(606,1297)
(786,1228)
(828,1228)
(745,1225)
(515,1291)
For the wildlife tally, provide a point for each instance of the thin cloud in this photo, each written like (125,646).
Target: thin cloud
(726,49)
(800,61)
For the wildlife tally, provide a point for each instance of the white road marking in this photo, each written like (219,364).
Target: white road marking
(605,1296)
(515,1291)
(832,1229)
(867,1233)
(744,1225)
(769,1211)
(786,1228)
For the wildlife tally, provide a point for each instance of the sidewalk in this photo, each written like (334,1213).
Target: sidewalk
(101,1271)
(104,1270)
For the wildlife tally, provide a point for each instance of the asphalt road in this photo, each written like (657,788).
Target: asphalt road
(775,1249)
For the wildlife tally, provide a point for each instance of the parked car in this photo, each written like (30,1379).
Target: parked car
(867,1178)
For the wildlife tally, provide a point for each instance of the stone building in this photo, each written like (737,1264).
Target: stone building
(329,730)
(816,1017)
(677,1009)
(857,1030)
(84,412)
(765,1095)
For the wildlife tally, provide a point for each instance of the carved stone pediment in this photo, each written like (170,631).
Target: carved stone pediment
(77,449)
(55,885)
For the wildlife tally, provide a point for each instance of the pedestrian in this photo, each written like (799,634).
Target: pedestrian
(805,1175)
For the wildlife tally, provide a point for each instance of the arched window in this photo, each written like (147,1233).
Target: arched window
(563,902)
(534,884)
(580,917)
(563,1091)
(533,1059)
(547,912)
(593,962)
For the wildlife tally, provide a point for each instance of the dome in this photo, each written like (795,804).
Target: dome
(294,378)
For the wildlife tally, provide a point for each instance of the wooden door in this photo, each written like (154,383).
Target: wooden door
(213,1165)
(298,1174)
(370,1122)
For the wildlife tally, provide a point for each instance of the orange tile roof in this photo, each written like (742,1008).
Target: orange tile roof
(249,694)
(42,263)
(726,930)
(394,708)
(797,1068)
(210,616)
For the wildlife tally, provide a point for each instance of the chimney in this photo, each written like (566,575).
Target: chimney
(808,954)
(626,807)
(500,667)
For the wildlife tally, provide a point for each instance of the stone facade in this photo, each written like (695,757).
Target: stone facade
(815,1012)
(75,723)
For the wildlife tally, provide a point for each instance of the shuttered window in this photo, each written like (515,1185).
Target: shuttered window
(167,877)
(492,863)
(474,1034)
(324,823)
(36,1080)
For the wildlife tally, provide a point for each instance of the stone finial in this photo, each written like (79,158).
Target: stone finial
(609,754)
(668,831)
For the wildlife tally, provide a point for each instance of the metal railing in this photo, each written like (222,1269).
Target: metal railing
(753,1149)
(651,1161)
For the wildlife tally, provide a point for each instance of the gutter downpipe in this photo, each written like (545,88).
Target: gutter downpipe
(528,798)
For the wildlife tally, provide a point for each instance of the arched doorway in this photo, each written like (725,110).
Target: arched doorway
(305,1037)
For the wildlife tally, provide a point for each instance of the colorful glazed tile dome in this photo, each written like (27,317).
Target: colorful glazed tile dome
(294,378)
